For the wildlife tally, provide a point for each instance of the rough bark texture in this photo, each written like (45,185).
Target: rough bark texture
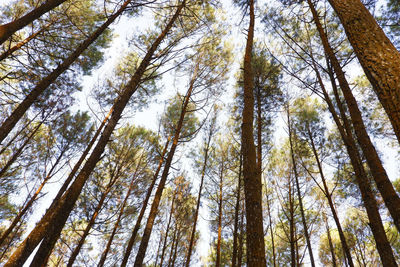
(370,204)
(17,113)
(252,179)
(144,206)
(6,30)
(55,218)
(376,54)
(384,185)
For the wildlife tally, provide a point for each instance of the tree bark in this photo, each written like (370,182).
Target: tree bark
(6,30)
(171,212)
(218,251)
(384,185)
(328,232)
(144,206)
(252,178)
(296,177)
(237,208)
(376,54)
(17,113)
(54,219)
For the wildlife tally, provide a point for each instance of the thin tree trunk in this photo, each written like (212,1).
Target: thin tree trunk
(376,225)
(296,176)
(144,206)
(218,251)
(292,237)
(237,208)
(176,249)
(171,212)
(271,230)
(328,232)
(252,178)
(384,185)
(6,30)
(240,253)
(171,254)
(17,113)
(54,219)
(158,249)
(376,54)
(196,214)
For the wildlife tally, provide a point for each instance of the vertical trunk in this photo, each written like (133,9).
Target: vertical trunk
(384,185)
(6,30)
(158,249)
(121,213)
(218,260)
(252,178)
(237,208)
(383,246)
(296,177)
(196,214)
(240,252)
(18,112)
(154,207)
(271,230)
(328,232)
(176,249)
(171,254)
(167,230)
(376,54)
(144,206)
(292,240)
(55,218)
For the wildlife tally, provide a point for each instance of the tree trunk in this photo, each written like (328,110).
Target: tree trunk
(218,251)
(144,206)
(252,178)
(167,230)
(6,30)
(55,218)
(376,225)
(292,237)
(376,54)
(328,232)
(171,254)
(17,113)
(240,252)
(271,230)
(196,214)
(296,177)
(384,185)
(237,208)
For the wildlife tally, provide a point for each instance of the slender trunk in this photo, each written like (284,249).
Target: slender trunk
(252,178)
(328,232)
(89,226)
(55,218)
(376,225)
(176,249)
(171,212)
(171,254)
(23,42)
(296,177)
(158,249)
(154,207)
(240,252)
(218,260)
(17,113)
(19,151)
(121,213)
(30,202)
(345,247)
(292,240)
(271,230)
(376,54)
(384,185)
(196,213)
(144,206)
(6,30)
(237,208)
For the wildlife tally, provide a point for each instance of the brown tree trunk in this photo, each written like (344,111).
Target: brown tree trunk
(328,232)
(218,251)
(296,177)
(174,240)
(384,185)
(271,230)
(167,230)
(376,54)
(121,213)
(252,178)
(6,30)
(292,233)
(376,225)
(345,247)
(237,208)
(18,112)
(241,236)
(55,218)
(144,206)
(196,214)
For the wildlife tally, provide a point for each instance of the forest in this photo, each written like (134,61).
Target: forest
(200,133)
